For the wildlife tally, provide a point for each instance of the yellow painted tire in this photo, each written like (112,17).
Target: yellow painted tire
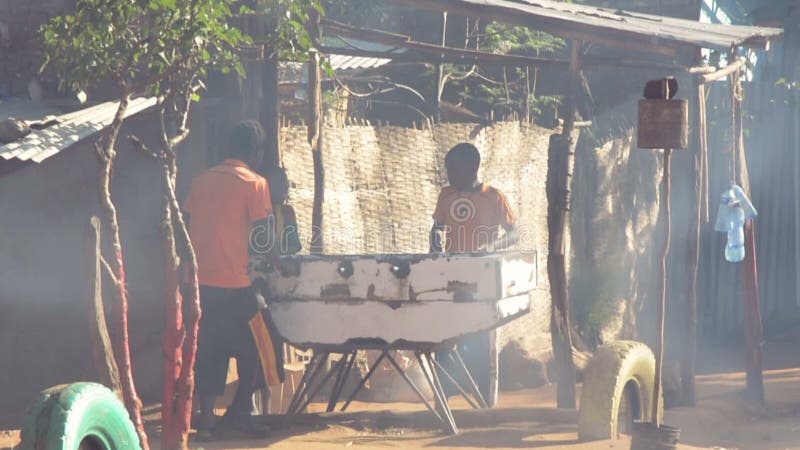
(617,382)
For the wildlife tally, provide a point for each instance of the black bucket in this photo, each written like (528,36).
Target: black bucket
(646,436)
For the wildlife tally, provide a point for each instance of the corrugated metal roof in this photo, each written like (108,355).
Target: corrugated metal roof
(565,19)
(342,62)
(68,129)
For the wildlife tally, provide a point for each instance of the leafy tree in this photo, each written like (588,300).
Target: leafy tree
(505,91)
(164,48)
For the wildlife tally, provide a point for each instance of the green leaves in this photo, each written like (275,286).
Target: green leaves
(142,45)
(286,37)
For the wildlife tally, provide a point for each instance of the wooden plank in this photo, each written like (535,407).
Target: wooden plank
(102,353)
(663,124)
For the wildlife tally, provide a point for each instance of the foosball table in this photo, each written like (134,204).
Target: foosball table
(420,303)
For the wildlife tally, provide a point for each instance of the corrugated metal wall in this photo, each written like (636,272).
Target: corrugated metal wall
(772,145)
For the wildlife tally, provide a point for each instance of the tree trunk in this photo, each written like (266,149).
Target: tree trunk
(560,159)
(180,332)
(120,339)
(172,437)
(103,354)
(185,386)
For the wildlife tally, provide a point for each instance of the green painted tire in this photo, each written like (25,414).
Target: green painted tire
(80,416)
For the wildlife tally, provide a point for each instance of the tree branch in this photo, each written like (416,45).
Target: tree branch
(139,145)
(110,272)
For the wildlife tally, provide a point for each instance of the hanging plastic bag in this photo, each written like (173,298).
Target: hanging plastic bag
(735,209)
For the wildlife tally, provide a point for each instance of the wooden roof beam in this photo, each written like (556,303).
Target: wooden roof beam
(619,39)
(438,53)
(724,72)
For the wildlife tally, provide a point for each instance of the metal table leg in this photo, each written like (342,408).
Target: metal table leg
(304,385)
(455,383)
(414,387)
(475,389)
(321,384)
(441,398)
(365,379)
(341,379)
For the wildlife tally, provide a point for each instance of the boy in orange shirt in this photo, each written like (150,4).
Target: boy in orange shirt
(468,218)
(225,206)
(469,214)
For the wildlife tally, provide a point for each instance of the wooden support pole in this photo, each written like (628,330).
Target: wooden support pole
(315,130)
(102,353)
(731,68)
(437,95)
(662,280)
(753,328)
(270,112)
(693,252)
(560,159)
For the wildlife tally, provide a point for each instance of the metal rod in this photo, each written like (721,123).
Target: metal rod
(340,381)
(364,380)
(413,386)
(339,369)
(475,389)
(441,396)
(453,380)
(424,366)
(298,393)
(320,363)
(320,385)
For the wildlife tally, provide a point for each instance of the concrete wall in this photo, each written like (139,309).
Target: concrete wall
(44,211)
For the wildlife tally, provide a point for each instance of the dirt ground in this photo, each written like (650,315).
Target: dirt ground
(529,419)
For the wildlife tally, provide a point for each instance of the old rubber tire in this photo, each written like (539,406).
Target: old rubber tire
(618,371)
(80,416)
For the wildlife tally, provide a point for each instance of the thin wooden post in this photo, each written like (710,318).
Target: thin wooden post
(270,112)
(693,253)
(315,130)
(439,76)
(102,353)
(527,95)
(754,332)
(662,280)
(559,166)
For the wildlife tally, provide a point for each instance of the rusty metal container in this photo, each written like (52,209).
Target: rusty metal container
(663,124)
(647,436)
